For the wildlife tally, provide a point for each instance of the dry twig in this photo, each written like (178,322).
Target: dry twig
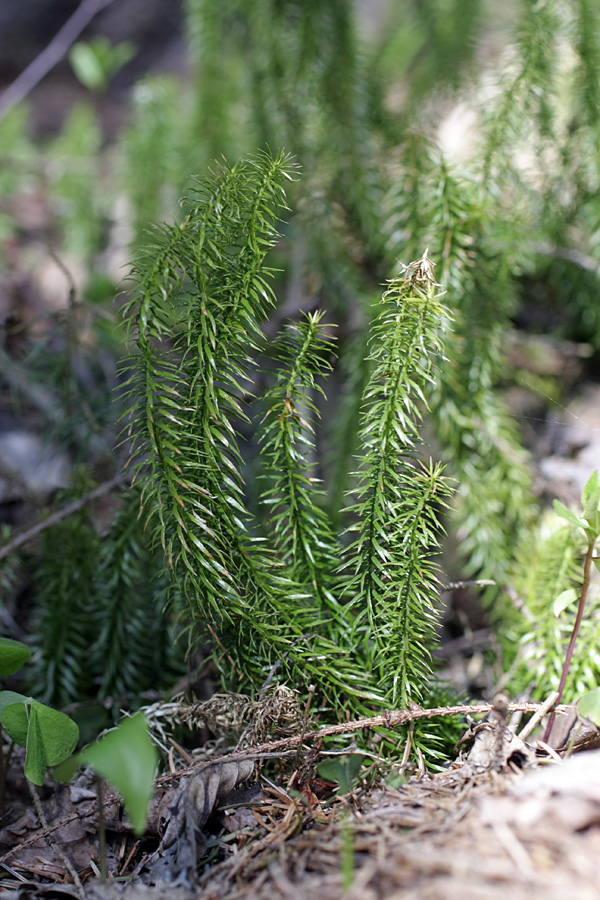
(53,53)
(59,515)
(387,719)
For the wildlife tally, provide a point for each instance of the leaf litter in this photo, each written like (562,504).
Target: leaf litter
(508,817)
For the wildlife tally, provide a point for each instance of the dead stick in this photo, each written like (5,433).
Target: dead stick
(538,716)
(388,719)
(59,515)
(53,53)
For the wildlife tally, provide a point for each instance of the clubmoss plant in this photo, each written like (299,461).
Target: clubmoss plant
(361,633)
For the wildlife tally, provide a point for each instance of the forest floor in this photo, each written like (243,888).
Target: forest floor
(507,817)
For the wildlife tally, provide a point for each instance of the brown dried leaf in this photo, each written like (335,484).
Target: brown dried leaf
(186,813)
(74,806)
(494,748)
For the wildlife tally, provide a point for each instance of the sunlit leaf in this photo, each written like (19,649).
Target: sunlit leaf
(590,502)
(589,706)
(563,600)
(565,513)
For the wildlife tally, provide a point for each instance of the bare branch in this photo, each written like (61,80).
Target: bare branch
(48,58)
(388,719)
(60,514)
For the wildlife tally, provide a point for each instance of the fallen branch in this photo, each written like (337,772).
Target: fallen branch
(48,58)
(387,719)
(59,515)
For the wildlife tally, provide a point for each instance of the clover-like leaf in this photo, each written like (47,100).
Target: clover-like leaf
(8,697)
(48,735)
(35,756)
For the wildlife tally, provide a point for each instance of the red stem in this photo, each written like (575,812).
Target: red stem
(587,568)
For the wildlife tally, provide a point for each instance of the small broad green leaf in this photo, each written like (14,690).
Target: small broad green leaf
(95,62)
(589,706)
(13,655)
(127,758)
(15,721)
(122,54)
(21,723)
(59,732)
(88,66)
(565,513)
(563,600)
(54,737)
(65,770)
(343,769)
(590,495)
(596,561)
(591,488)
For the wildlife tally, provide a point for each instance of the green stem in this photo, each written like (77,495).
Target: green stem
(587,568)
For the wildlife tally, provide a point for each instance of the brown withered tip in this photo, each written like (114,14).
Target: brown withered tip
(501,704)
